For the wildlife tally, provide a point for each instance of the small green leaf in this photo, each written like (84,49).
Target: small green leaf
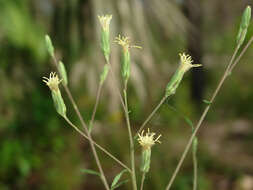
(119,184)
(92,172)
(207,102)
(116,179)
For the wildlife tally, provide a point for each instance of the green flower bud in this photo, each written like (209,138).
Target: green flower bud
(49,45)
(185,65)
(145,160)
(147,141)
(59,103)
(244,26)
(63,73)
(53,83)
(125,43)
(105,35)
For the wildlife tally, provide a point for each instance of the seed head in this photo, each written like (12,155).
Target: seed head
(147,140)
(186,62)
(53,81)
(105,21)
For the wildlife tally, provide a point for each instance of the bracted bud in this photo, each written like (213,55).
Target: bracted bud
(147,141)
(125,44)
(105,35)
(244,25)
(53,83)
(49,45)
(184,66)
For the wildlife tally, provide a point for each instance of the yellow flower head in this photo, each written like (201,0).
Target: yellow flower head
(125,42)
(186,62)
(147,140)
(53,81)
(105,21)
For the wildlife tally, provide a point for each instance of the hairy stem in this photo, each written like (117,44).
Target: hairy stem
(226,73)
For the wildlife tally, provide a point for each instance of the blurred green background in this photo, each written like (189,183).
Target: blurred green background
(38,150)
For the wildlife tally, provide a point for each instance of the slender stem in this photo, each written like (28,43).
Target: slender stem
(151,115)
(226,73)
(97,145)
(195,169)
(95,106)
(87,131)
(130,140)
(142,180)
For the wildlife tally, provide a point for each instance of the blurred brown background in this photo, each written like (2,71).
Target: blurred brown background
(38,150)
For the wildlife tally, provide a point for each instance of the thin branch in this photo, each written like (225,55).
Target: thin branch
(142,180)
(95,107)
(130,140)
(97,145)
(86,130)
(226,73)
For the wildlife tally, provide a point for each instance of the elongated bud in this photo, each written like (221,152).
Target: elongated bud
(147,141)
(184,66)
(104,73)
(145,160)
(125,44)
(49,45)
(63,73)
(53,83)
(244,25)
(105,35)
(59,103)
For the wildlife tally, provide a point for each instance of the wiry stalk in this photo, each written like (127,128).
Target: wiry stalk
(195,170)
(97,145)
(142,180)
(226,73)
(87,132)
(130,140)
(151,115)
(95,106)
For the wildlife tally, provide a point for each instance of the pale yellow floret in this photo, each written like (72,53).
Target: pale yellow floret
(147,140)
(105,21)
(186,62)
(124,41)
(53,81)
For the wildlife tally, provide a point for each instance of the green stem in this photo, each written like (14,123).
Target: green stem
(226,73)
(97,145)
(87,131)
(142,180)
(133,176)
(151,115)
(95,107)
(195,169)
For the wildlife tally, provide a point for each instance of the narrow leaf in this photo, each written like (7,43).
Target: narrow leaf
(117,178)
(119,184)
(92,172)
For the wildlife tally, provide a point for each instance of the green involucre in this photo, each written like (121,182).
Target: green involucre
(145,160)
(59,103)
